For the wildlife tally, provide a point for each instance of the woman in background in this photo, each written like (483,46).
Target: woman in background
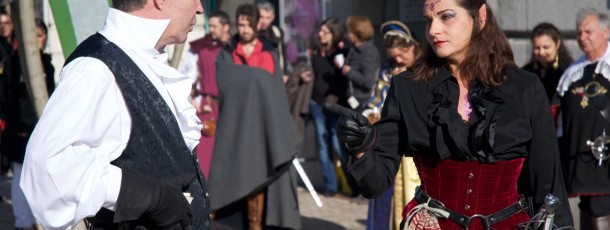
(362,63)
(550,58)
(402,50)
(329,87)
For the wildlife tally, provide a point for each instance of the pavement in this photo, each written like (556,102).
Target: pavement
(338,212)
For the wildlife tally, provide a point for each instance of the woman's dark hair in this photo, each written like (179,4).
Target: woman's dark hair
(488,55)
(128,5)
(548,29)
(250,12)
(336,30)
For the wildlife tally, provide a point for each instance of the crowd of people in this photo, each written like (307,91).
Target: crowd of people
(447,132)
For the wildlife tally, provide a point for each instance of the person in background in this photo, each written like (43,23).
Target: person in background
(7,51)
(257,138)
(362,62)
(329,87)
(479,129)
(273,34)
(199,64)
(7,28)
(583,95)
(550,57)
(114,144)
(402,50)
(21,119)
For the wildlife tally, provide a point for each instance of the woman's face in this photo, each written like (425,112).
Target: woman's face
(448,29)
(326,37)
(544,48)
(352,37)
(402,56)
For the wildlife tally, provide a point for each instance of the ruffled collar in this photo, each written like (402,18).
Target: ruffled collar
(575,71)
(137,37)
(453,137)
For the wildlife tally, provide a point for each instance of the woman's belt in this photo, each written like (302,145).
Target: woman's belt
(489,220)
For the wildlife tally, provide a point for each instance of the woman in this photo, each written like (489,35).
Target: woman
(329,87)
(479,129)
(402,50)
(362,63)
(550,58)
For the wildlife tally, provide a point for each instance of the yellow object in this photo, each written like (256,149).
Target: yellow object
(406,180)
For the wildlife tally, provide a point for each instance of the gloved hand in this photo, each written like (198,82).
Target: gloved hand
(159,200)
(353,129)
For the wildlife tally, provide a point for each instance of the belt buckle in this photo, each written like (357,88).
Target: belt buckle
(483,219)
(436,202)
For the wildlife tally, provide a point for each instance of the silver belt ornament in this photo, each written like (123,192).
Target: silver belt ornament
(599,146)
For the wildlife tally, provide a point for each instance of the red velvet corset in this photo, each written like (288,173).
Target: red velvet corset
(471,188)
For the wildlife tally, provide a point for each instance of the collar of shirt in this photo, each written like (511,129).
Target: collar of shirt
(138,36)
(575,71)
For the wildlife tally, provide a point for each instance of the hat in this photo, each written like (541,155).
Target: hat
(397,28)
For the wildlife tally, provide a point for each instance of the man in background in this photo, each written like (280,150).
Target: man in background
(273,34)
(199,64)
(257,138)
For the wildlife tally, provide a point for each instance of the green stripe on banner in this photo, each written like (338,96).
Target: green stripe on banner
(65,29)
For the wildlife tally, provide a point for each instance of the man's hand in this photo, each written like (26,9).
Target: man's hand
(160,200)
(353,129)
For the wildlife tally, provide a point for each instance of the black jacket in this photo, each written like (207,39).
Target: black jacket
(365,63)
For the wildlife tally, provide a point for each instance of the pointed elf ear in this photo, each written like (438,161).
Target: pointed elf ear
(482,16)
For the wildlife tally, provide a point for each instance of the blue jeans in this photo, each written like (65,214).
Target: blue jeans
(326,136)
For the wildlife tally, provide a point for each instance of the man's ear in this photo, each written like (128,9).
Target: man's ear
(482,15)
(158,4)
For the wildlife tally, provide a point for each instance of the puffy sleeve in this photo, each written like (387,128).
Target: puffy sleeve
(67,174)
(374,172)
(541,173)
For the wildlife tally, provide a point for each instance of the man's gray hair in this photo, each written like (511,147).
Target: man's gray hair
(266,6)
(128,5)
(602,17)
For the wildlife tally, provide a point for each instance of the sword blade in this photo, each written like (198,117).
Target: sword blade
(308,184)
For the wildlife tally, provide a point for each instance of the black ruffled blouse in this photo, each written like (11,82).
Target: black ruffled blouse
(512,121)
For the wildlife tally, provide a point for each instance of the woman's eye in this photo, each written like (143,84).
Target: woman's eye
(447,16)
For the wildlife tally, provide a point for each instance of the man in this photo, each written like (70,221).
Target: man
(199,65)
(114,144)
(273,34)
(584,97)
(256,137)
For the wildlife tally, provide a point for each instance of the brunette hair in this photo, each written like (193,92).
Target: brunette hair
(250,12)
(336,30)
(488,55)
(361,27)
(548,29)
(128,5)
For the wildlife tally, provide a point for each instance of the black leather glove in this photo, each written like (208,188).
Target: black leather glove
(160,201)
(353,129)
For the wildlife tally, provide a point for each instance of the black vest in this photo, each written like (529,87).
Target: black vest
(156,147)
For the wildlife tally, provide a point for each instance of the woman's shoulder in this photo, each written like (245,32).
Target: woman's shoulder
(520,79)
(407,79)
